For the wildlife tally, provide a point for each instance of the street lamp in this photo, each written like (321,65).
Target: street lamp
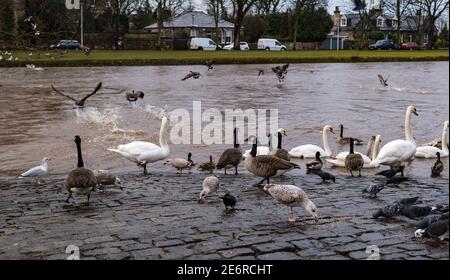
(77,5)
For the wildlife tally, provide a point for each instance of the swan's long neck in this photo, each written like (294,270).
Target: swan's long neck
(280,137)
(162,136)
(80,156)
(408,129)
(444,138)
(326,145)
(376,147)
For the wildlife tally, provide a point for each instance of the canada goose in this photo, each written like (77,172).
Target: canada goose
(79,103)
(142,152)
(346,140)
(229,201)
(383,81)
(208,166)
(105,178)
(86,51)
(261,72)
(438,166)
(373,190)
(267,166)
(231,157)
(430,152)
(315,165)
(435,230)
(37,171)
(80,180)
(309,151)
(134,96)
(180,163)
(279,151)
(324,175)
(209,64)
(391,172)
(192,74)
(292,196)
(354,162)
(398,152)
(280,72)
(210,185)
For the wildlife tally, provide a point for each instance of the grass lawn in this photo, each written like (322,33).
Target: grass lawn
(107,57)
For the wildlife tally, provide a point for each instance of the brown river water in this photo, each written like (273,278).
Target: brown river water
(37,123)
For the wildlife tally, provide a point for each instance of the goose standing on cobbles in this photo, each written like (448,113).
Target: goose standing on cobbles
(354,162)
(346,140)
(231,157)
(180,164)
(279,151)
(208,166)
(267,166)
(37,172)
(309,150)
(292,196)
(430,152)
(210,185)
(144,153)
(437,167)
(80,180)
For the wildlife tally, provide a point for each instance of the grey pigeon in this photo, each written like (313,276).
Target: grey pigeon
(325,176)
(428,220)
(391,172)
(388,211)
(407,201)
(396,180)
(435,230)
(373,190)
(415,212)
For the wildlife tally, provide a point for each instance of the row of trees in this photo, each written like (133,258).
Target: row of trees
(293,20)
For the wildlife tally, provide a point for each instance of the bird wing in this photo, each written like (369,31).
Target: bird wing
(287,194)
(59,92)
(190,75)
(229,156)
(99,86)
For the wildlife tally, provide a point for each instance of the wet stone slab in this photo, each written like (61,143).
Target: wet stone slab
(158,217)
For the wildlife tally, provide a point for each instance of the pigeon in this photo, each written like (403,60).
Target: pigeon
(325,176)
(396,180)
(229,201)
(435,230)
(79,103)
(407,201)
(427,220)
(388,211)
(415,212)
(192,74)
(373,190)
(87,51)
(391,172)
(209,64)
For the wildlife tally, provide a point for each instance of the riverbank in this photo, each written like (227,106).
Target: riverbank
(132,58)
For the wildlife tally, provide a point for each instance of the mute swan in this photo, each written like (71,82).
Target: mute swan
(309,151)
(144,152)
(397,152)
(262,150)
(339,161)
(430,152)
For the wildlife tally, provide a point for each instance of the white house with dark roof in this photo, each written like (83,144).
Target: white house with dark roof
(198,24)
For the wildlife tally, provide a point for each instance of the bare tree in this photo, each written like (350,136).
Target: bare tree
(401,9)
(268,6)
(215,9)
(432,10)
(240,9)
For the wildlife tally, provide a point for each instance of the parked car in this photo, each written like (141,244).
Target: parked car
(410,46)
(204,44)
(66,45)
(244,46)
(270,45)
(383,45)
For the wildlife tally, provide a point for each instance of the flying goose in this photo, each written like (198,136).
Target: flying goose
(398,152)
(267,166)
(383,81)
(231,157)
(373,190)
(37,171)
(209,186)
(292,196)
(209,64)
(280,72)
(354,162)
(79,103)
(133,96)
(346,140)
(435,230)
(105,178)
(315,165)
(309,151)
(180,163)
(261,72)
(279,151)
(229,201)
(80,180)
(208,166)
(438,166)
(142,152)
(192,74)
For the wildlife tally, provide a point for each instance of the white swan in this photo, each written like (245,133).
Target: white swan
(261,150)
(339,161)
(430,152)
(397,152)
(144,152)
(309,151)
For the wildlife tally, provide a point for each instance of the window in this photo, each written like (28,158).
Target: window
(211,43)
(425,39)
(380,22)
(193,33)
(344,21)
(277,43)
(410,37)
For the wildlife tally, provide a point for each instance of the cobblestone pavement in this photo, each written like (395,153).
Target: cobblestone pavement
(158,217)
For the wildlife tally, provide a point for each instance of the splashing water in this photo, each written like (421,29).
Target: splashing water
(106,119)
(156,111)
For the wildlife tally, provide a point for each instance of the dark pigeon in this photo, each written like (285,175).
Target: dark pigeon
(325,176)
(435,230)
(415,212)
(428,220)
(229,201)
(388,211)
(396,180)
(391,172)
(373,190)
(407,201)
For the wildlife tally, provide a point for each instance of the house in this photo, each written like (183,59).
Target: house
(196,24)
(345,26)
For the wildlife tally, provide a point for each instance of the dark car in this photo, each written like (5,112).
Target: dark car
(66,45)
(383,45)
(410,46)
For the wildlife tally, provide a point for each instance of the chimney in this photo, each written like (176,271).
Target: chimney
(336,17)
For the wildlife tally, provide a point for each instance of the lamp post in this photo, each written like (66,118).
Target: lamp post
(77,5)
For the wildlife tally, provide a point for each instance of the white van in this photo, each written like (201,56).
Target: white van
(203,44)
(270,45)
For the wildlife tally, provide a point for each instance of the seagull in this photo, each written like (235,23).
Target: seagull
(28,19)
(209,64)
(229,201)
(383,81)
(210,185)
(292,196)
(192,74)
(79,103)
(373,190)
(37,171)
